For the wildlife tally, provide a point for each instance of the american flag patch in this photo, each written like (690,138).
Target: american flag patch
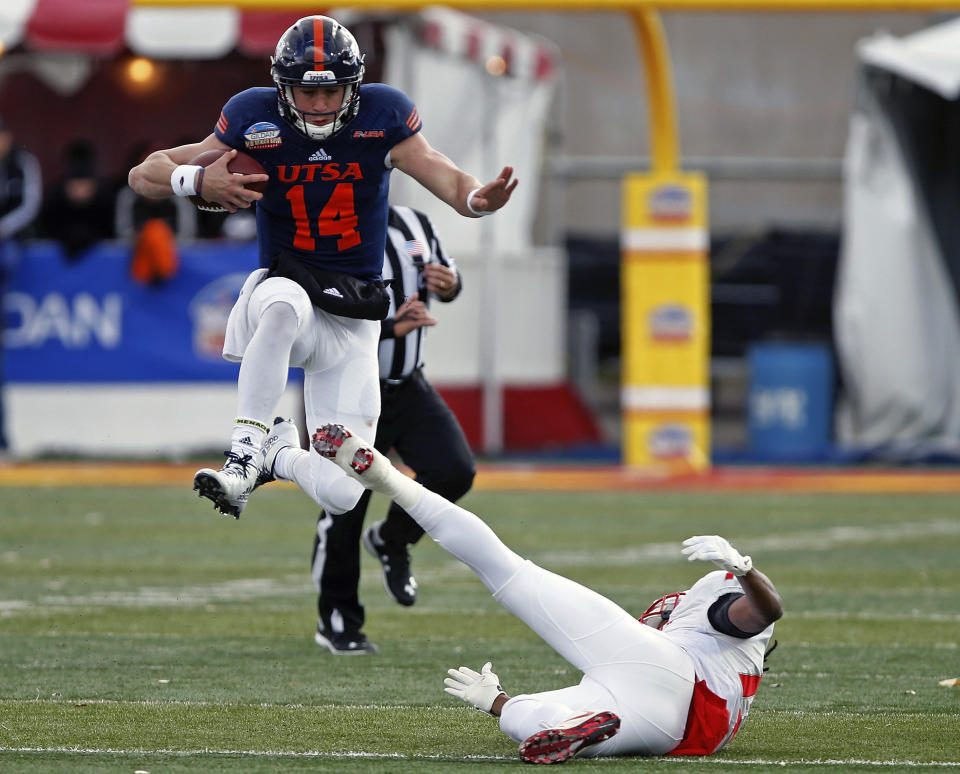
(415,247)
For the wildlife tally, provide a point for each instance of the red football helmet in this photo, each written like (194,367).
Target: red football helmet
(659,612)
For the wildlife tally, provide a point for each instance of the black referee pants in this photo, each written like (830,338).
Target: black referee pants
(415,421)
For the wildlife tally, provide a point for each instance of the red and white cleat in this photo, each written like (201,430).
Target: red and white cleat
(362,460)
(556,745)
(328,440)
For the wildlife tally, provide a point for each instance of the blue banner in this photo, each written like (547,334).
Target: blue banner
(88,321)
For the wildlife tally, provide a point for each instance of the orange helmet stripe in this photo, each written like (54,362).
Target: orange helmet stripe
(318,48)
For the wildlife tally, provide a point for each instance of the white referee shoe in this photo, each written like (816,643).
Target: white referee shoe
(229,487)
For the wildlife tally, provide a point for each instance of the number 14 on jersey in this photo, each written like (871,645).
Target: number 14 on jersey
(337,218)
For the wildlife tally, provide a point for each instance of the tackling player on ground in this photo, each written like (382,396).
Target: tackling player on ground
(678,681)
(328,145)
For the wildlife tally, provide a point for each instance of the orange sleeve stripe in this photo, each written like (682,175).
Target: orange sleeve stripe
(222,123)
(413,121)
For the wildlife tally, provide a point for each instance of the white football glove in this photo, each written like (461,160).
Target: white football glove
(713,548)
(477,688)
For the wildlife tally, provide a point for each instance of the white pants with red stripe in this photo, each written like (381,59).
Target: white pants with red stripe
(629,669)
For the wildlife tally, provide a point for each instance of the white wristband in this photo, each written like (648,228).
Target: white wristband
(478,213)
(183,179)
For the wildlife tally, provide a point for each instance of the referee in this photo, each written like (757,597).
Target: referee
(414,421)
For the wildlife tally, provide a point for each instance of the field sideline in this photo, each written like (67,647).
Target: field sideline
(533,477)
(141,632)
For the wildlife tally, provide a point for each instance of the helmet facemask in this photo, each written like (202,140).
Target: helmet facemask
(342,116)
(659,612)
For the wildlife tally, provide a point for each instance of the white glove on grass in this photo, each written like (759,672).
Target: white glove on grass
(713,548)
(477,688)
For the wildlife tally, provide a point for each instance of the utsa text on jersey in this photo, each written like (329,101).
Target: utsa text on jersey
(307,173)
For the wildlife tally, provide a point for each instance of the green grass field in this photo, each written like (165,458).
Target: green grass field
(140,631)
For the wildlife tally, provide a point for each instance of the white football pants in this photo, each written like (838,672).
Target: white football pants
(629,669)
(274,326)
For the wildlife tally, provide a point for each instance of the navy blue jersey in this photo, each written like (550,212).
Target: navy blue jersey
(326,201)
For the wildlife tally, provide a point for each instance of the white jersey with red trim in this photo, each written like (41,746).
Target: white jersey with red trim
(731,667)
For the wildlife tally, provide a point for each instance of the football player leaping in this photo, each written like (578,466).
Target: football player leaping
(328,145)
(678,681)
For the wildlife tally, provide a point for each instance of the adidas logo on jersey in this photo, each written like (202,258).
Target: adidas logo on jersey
(320,155)
(332,292)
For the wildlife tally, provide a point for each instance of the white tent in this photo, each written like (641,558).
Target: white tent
(896,321)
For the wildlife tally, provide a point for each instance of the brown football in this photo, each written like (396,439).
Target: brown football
(241,164)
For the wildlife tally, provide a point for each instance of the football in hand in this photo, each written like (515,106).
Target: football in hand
(241,164)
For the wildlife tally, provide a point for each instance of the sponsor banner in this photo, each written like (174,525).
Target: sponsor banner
(671,322)
(668,440)
(665,203)
(670,203)
(88,321)
(671,441)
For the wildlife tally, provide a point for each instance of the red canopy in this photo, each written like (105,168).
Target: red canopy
(103,28)
(94,26)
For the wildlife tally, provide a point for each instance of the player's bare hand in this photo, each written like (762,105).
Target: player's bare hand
(226,188)
(492,196)
(441,280)
(411,315)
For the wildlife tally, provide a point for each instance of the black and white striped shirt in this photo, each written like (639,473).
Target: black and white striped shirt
(411,243)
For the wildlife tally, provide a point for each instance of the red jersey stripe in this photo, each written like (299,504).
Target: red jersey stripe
(750,684)
(707,723)
(222,123)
